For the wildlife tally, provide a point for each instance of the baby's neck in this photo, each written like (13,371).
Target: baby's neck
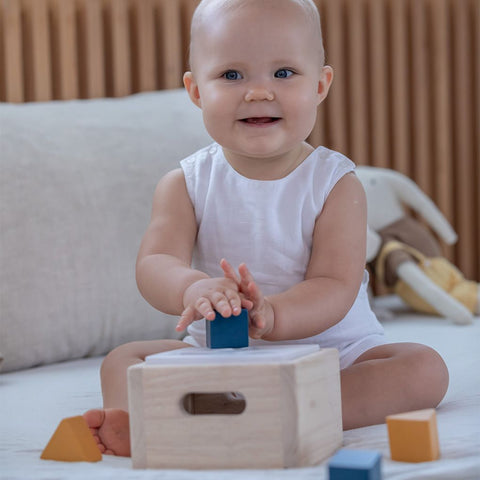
(268,168)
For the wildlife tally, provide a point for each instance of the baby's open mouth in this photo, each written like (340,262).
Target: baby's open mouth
(260,120)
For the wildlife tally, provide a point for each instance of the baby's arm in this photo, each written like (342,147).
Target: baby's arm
(335,270)
(164,275)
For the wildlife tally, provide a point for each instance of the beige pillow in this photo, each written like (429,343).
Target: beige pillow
(76,183)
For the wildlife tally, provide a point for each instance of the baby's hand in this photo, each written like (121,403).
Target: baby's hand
(204,296)
(260,313)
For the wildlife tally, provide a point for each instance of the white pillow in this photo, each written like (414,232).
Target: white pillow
(76,182)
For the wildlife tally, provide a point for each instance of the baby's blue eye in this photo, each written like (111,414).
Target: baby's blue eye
(283,73)
(232,75)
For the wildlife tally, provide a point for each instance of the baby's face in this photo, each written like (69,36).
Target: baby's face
(258,78)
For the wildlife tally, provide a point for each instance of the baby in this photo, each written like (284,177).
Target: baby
(293,218)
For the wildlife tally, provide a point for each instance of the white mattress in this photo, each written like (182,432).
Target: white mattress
(32,402)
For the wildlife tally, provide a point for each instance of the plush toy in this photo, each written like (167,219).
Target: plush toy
(404,254)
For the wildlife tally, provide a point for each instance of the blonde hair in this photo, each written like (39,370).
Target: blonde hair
(205,7)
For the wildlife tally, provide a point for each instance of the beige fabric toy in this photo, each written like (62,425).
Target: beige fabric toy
(406,256)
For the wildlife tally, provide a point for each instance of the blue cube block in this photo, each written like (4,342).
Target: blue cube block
(230,332)
(355,465)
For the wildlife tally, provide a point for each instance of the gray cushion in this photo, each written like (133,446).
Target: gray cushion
(76,183)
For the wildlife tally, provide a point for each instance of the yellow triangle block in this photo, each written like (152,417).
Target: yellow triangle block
(72,441)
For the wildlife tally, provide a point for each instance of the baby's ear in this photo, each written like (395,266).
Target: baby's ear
(324,83)
(192,88)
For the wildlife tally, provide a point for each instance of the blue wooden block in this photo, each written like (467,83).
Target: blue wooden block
(355,465)
(230,332)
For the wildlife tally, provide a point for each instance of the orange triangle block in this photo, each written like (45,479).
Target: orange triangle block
(72,441)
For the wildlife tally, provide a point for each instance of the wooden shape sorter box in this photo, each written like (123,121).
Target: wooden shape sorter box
(292,415)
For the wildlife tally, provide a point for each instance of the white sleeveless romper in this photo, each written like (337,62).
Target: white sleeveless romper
(269,226)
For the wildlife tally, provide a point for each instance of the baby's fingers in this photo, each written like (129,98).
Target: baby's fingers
(187,317)
(190,314)
(257,322)
(246,278)
(229,271)
(248,304)
(253,292)
(256,328)
(232,304)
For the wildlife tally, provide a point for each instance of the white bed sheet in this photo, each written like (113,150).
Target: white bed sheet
(32,403)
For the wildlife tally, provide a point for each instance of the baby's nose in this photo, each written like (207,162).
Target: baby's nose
(259,93)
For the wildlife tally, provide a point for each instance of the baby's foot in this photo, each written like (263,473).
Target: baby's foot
(110,429)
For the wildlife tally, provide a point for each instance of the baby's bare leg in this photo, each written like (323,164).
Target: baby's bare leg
(388,379)
(113,372)
(110,425)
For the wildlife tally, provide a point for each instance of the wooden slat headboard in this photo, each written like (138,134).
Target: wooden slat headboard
(406,93)
(64,49)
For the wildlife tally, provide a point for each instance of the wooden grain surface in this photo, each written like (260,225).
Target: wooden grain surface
(292,415)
